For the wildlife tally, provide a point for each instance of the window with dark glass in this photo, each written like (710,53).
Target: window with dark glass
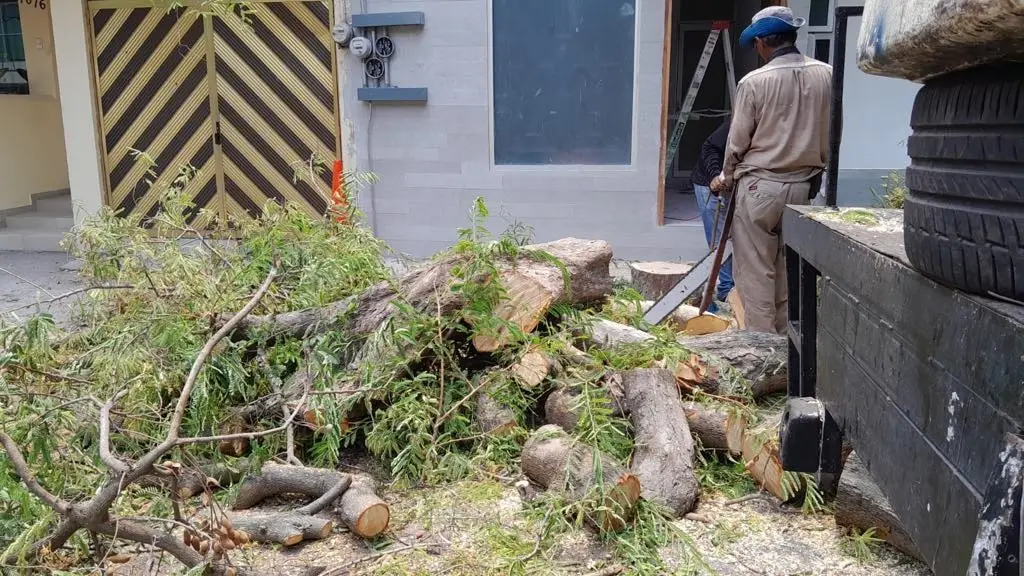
(563,81)
(823,50)
(818,15)
(13,73)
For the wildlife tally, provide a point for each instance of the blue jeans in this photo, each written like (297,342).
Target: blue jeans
(708,205)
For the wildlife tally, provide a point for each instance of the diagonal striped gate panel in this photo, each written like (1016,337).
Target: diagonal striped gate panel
(151,69)
(276,106)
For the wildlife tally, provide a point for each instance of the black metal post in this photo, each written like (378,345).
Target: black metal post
(836,126)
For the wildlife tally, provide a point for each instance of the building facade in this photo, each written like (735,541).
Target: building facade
(557,113)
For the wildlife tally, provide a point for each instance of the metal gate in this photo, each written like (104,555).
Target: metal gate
(247,98)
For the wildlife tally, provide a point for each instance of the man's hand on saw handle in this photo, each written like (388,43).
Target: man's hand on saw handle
(718,185)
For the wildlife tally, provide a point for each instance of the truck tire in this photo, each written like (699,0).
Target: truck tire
(964,210)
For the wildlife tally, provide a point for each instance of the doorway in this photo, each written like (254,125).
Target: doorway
(689,26)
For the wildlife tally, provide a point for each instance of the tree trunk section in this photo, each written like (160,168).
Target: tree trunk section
(492,416)
(654,279)
(861,504)
(428,290)
(760,359)
(663,454)
(534,285)
(533,368)
(365,514)
(285,529)
(362,510)
(554,461)
(716,429)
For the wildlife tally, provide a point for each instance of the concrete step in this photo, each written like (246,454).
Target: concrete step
(55,204)
(40,221)
(31,240)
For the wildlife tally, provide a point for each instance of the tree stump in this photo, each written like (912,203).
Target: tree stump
(654,279)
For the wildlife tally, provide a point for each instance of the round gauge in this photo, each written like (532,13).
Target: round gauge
(384,47)
(360,46)
(375,68)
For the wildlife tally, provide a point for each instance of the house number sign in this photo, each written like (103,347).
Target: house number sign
(40,4)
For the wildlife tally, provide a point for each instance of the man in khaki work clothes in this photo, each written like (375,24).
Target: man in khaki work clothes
(777,146)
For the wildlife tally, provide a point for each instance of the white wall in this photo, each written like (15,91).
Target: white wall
(78,107)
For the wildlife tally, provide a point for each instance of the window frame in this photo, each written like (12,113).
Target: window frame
(564,168)
(4,36)
(821,32)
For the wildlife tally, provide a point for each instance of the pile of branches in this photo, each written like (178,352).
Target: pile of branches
(262,361)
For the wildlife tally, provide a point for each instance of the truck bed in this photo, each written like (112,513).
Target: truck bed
(927,382)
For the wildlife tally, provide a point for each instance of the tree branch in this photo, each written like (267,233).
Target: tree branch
(106,454)
(155,454)
(331,495)
(246,435)
(135,532)
(21,467)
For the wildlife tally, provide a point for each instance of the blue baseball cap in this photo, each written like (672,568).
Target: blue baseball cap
(771,20)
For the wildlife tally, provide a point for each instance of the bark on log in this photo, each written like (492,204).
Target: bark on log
(761,359)
(558,409)
(663,454)
(363,511)
(285,529)
(492,416)
(716,429)
(554,461)
(861,504)
(654,279)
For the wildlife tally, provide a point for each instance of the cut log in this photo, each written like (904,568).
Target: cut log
(363,511)
(606,334)
(492,416)
(533,368)
(554,461)
(759,359)
(533,285)
(427,289)
(717,429)
(663,455)
(861,504)
(285,529)
(559,409)
(762,459)
(654,279)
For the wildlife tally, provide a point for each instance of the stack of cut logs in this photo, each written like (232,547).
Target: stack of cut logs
(725,364)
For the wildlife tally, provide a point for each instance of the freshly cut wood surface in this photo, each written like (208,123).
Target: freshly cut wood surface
(717,429)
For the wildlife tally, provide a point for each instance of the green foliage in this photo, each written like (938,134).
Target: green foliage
(724,475)
(894,191)
(861,544)
(796,483)
(859,216)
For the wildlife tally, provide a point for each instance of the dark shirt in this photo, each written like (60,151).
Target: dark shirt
(709,163)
